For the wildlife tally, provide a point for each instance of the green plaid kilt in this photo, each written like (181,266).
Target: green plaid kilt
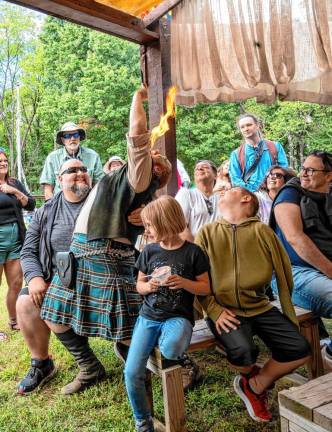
(104,301)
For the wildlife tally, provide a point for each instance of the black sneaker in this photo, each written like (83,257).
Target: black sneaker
(190,373)
(121,351)
(145,425)
(40,373)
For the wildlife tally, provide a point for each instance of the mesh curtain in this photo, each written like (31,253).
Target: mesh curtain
(232,50)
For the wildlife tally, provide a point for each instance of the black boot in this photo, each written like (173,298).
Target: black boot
(91,370)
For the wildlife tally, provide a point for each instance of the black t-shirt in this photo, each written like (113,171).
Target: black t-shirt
(187,261)
(9,203)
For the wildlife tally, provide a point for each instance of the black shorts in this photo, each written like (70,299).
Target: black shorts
(278,333)
(24,291)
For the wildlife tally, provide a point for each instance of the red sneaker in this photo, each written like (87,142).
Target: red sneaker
(256,405)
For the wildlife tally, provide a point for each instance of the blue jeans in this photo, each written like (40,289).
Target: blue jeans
(173,337)
(312,290)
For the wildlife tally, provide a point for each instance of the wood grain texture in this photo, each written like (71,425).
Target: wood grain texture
(95,15)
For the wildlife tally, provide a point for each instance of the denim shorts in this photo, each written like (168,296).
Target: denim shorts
(10,243)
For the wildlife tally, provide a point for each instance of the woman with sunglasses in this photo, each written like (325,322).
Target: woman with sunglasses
(276,177)
(223,177)
(13,199)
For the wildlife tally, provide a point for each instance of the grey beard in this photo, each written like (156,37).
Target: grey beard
(79,190)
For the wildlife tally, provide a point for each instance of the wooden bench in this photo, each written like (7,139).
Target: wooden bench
(202,338)
(307,408)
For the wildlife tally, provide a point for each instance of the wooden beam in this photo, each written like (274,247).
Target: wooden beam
(95,15)
(160,11)
(156,71)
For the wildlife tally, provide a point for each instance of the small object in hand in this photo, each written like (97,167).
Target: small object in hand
(161,274)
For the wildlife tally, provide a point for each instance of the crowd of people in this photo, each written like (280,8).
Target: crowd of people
(208,250)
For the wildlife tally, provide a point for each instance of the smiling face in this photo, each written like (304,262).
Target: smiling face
(275,179)
(317,181)
(204,173)
(77,182)
(249,128)
(228,198)
(237,201)
(3,165)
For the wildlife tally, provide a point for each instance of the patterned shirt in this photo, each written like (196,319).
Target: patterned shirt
(55,160)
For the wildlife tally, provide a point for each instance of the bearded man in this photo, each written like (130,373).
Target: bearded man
(103,301)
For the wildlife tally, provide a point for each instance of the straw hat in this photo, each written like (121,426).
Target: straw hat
(69,127)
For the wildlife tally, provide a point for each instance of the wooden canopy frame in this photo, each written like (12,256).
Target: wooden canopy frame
(152,33)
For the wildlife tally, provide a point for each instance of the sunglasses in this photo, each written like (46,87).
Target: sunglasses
(209,206)
(276,175)
(75,170)
(71,135)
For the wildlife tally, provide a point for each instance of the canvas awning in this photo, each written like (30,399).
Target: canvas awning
(228,51)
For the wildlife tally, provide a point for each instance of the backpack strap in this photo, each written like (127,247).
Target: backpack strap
(241,156)
(271,145)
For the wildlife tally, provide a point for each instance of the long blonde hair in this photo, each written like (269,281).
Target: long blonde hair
(165,216)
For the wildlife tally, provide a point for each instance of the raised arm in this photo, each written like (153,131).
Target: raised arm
(139,157)
(137,117)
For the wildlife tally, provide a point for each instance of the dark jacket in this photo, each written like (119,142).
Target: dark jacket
(316,214)
(36,258)
(114,201)
(18,206)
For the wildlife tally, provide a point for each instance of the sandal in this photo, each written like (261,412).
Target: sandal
(3,336)
(12,323)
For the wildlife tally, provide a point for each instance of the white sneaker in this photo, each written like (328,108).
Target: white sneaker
(327,360)
(324,342)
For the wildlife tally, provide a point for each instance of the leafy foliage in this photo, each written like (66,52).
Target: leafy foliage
(68,72)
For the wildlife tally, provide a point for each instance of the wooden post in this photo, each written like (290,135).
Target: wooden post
(156,71)
(175,420)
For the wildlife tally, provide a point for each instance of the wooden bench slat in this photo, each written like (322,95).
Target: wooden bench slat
(304,399)
(323,416)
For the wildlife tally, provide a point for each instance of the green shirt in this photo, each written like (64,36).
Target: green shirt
(54,161)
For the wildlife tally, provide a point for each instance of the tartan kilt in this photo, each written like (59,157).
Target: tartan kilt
(104,301)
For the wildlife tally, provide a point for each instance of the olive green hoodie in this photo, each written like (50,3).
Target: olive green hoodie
(242,259)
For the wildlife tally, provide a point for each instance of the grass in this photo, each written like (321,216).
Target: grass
(212,406)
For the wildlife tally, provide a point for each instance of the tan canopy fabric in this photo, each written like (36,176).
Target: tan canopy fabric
(232,50)
(133,7)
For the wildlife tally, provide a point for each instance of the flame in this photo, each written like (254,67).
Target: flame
(163,126)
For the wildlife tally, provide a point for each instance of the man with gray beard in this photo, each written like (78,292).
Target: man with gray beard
(49,232)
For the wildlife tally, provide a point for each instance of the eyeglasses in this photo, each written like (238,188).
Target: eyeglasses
(75,170)
(276,175)
(209,206)
(71,135)
(310,171)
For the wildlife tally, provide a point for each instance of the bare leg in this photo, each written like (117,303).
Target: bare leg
(14,276)
(242,369)
(272,371)
(57,328)
(35,332)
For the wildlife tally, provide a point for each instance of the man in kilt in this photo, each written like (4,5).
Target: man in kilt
(104,301)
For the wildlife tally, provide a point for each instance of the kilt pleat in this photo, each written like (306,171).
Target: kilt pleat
(104,301)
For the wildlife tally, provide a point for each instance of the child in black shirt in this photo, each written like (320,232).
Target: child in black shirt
(171,273)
